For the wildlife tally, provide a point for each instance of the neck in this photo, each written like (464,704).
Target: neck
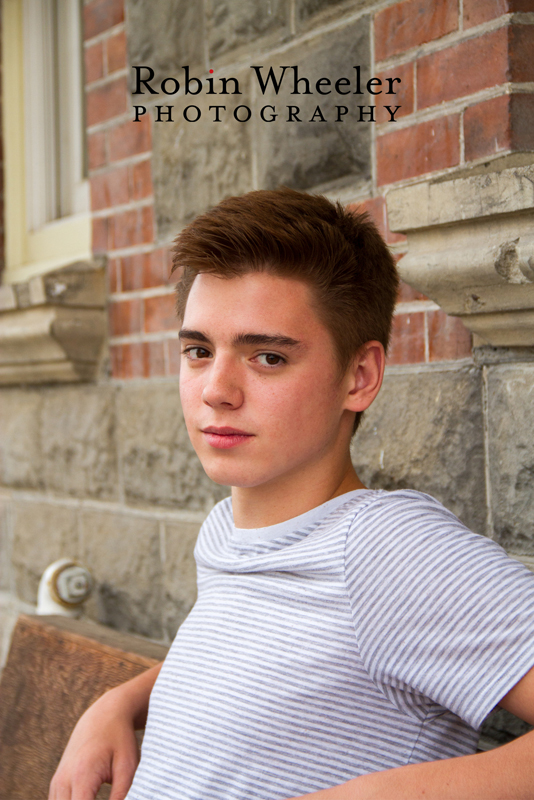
(290,496)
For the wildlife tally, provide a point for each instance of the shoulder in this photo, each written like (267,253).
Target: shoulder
(405,511)
(402,530)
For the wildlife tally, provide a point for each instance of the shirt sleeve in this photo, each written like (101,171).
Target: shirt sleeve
(439,611)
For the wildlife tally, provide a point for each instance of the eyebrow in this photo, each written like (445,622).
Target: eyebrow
(197,336)
(254,339)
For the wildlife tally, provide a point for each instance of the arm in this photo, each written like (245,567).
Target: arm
(506,773)
(102,747)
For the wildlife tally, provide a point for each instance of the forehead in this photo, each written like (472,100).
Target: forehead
(252,300)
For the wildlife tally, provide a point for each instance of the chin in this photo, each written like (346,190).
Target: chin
(228,475)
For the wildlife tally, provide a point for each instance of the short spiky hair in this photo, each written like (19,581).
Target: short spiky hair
(339,254)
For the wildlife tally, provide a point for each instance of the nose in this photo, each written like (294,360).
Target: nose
(222,388)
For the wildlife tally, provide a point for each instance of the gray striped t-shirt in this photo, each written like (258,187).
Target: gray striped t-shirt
(372,632)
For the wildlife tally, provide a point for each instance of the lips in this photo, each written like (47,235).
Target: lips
(225,438)
(225,431)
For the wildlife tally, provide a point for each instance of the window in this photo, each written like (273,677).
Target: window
(46,191)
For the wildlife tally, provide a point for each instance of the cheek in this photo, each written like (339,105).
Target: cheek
(298,405)
(189,394)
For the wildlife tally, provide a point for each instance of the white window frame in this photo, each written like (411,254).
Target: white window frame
(47,219)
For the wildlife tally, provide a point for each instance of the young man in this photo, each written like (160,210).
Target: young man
(346,643)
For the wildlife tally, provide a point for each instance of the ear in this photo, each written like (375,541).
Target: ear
(364,376)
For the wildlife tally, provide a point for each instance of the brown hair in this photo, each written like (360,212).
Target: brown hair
(339,254)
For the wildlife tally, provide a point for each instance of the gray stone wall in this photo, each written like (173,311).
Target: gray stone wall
(463,432)
(197,164)
(425,431)
(105,474)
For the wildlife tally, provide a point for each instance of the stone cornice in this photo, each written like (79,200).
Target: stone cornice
(471,248)
(52,328)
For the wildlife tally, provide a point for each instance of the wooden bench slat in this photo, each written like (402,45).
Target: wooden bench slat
(56,668)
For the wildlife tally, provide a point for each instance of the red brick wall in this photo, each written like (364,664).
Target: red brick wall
(466,95)
(467,71)
(141,314)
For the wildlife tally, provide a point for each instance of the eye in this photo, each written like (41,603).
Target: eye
(196,353)
(270,359)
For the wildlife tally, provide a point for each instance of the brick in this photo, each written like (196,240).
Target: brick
(477,12)
(376,208)
(504,123)
(403,96)
(175,356)
(110,189)
(463,69)
(130,139)
(141,180)
(423,148)
(131,268)
(125,317)
(522,112)
(408,24)
(132,227)
(106,102)
(100,234)
(147,216)
(100,15)
(116,52)
(127,360)
(156,268)
(114,275)
(521,46)
(407,339)
(160,313)
(96,149)
(153,359)
(487,128)
(408,295)
(448,338)
(94,62)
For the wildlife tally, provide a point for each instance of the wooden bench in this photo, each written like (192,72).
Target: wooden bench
(55,669)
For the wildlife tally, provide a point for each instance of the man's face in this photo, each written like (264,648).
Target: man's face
(259,380)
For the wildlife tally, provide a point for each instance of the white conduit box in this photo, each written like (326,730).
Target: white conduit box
(64,587)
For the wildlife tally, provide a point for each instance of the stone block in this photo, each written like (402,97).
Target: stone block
(501,727)
(425,431)
(158,463)
(179,574)
(78,441)
(122,552)
(42,533)
(196,164)
(234,24)
(314,12)
(309,154)
(20,452)
(511,454)
(165,35)
(5,545)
